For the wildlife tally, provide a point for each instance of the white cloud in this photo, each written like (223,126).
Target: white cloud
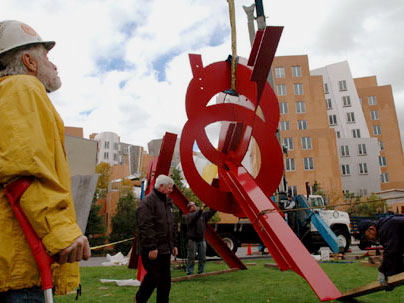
(134,102)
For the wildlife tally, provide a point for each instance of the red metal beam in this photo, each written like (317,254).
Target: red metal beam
(284,246)
(161,165)
(262,54)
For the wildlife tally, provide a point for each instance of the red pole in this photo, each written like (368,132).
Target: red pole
(13,192)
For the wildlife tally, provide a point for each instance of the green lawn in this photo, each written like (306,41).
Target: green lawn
(257,284)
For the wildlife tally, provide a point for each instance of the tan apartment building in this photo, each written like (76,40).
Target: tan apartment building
(381,119)
(304,130)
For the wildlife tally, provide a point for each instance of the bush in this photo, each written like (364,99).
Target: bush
(124,223)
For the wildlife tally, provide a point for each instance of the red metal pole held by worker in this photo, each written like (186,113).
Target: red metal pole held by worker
(13,193)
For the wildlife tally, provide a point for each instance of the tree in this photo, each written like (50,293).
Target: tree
(187,191)
(104,170)
(178,179)
(317,190)
(127,182)
(368,207)
(124,222)
(95,228)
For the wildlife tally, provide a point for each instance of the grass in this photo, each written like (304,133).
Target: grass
(257,284)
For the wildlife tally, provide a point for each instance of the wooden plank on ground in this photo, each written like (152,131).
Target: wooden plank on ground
(271,265)
(395,280)
(207,274)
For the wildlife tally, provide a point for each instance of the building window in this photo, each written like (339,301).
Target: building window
(344,151)
(377,130)
(292,190)
(281,89)
(372,100)
(106,144)
(106,155)
(116,146)
(115,157)
(300,107)
(279,72)
(342,85)
(298,89)
(301,124)
(350,117)
(296,71)
(306,143)
(283,106)
(345,170)
(332,120)
(346,101)
(284,125)
(338,134)
(356,133)
(381,145)
(363,168)
(290,164)
(308,163)
(328,103)
(288,143)
(374,115)
(326,88)
(385,177)
(382,161)
(362,149)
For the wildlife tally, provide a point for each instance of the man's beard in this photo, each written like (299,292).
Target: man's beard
(50,80)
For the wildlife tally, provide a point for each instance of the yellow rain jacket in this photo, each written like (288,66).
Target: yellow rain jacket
(32,144)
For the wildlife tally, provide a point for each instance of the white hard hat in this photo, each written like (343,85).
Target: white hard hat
(14,34)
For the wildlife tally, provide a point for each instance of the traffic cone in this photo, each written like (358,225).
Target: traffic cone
(249,253)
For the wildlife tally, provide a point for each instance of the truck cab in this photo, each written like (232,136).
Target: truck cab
(338,221)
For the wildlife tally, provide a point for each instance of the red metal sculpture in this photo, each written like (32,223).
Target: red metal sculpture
(236,191)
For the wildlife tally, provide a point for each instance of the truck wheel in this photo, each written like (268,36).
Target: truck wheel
(230,241)
(343,239)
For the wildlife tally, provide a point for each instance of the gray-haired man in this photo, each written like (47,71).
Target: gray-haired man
(157,240)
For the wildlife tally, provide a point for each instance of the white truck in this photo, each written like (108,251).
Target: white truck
(236,231)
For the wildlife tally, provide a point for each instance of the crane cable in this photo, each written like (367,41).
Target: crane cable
(233,43)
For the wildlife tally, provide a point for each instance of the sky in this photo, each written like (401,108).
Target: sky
(124,63)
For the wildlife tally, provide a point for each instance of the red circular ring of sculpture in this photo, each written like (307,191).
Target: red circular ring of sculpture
(208,82)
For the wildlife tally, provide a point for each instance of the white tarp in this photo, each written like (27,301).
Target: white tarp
(116,260)
(129,282)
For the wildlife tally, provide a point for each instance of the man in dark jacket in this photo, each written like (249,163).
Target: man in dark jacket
(157,240)
(196,225)
(389,232)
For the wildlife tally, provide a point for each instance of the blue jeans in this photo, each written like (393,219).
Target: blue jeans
(25,295)
(192,248)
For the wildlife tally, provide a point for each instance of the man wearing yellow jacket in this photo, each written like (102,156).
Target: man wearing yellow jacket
(32,144)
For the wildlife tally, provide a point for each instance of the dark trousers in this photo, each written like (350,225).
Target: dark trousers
(158,276)
(25,295)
